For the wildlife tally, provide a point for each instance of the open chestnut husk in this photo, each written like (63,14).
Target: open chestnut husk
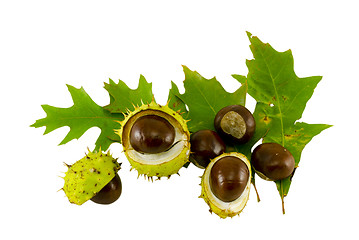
(271,161)
(155,140)
(235,123)
(226,184)
(228,178)
(205,145)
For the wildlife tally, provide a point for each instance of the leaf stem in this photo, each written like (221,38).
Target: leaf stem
(283,210)
(255,188)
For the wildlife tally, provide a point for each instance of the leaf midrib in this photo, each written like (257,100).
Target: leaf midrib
(280,114)
(276,95)
(204,97)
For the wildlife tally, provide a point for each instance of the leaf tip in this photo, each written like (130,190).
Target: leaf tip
(240,78)
(70,87)
(110,81)
(185,69)
(142,78)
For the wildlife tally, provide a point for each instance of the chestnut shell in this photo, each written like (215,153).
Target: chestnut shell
(228,178)
(272,161)
(235,123)
(110,192)
(205,145)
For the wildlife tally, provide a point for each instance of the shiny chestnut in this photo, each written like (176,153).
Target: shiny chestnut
(110,192)
(272,161)
(152,134)
(228,178)
(205,145)
(235,123)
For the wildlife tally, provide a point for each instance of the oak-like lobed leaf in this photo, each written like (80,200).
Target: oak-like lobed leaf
(176,103)
(281,98)
(122,98)
(205,97)
(83,115)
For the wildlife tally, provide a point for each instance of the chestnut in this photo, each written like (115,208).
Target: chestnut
(205,145)
(235,123)
(228,179)
(272,161)
(152,134)
(110,192)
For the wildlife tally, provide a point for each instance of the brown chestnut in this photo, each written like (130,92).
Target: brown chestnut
(235,123)
(152,134)
(205,145)
(272,161)
(110,192)
(228,178)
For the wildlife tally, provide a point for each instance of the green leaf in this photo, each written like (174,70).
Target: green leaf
(281,98)
(123,98)
(205,97)
(84,114)
(174,102)
(240,78)
(295,140)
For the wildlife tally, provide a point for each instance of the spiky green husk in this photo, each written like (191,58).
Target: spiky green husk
(161,170)
(85,178)
(224,209)
(154,166)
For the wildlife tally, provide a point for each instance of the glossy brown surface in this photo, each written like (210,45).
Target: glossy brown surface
(243,124)
(228,178)
(273,161)
(205,145)
(152,134)
(109,193)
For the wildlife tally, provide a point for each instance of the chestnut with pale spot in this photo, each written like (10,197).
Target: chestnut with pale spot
(272,161)
(235,123)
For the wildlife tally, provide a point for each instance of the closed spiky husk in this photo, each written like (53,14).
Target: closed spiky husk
(85,178)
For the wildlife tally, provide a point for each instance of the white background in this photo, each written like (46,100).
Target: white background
(45,45)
